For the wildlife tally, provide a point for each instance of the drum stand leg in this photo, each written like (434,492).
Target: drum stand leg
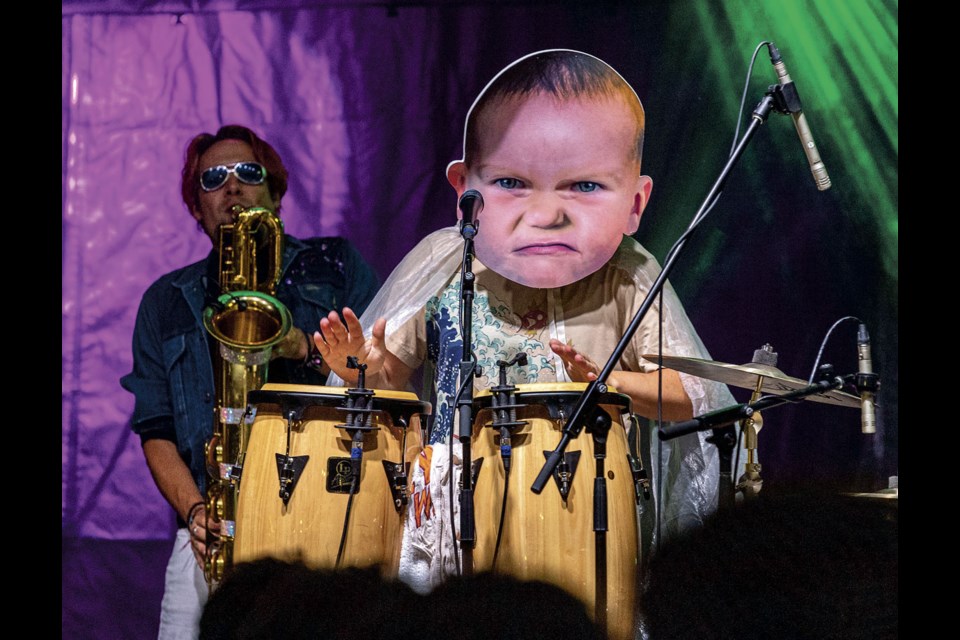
(725,439)
(599,427)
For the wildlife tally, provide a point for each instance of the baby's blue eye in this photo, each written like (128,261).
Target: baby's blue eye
(508,183)
(586,187)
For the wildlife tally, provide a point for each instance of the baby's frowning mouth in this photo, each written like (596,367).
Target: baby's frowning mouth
(544,248)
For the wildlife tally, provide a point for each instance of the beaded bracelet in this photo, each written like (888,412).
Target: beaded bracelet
(193,511)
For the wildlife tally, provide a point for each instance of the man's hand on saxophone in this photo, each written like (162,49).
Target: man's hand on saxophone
(203,530)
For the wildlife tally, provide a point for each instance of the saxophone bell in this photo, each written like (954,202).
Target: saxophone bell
(247,321)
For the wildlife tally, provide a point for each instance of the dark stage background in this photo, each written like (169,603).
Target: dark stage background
(365,102)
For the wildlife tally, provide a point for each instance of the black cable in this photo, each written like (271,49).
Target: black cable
(346,521)
(676,245)
(823,345)
(503,512)
(743,97)
(453,520)
(658,502)
(696,221)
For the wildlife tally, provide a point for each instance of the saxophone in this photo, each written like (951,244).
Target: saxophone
(248,322)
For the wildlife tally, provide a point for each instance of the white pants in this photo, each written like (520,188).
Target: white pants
(185,593)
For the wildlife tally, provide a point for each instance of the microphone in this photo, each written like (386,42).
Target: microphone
(792,99)
(471,204)
(866,382)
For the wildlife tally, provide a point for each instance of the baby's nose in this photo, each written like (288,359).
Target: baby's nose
(545,210)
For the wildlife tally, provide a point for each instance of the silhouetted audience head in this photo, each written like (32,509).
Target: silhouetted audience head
(798,566)
(489,605)
(269,598)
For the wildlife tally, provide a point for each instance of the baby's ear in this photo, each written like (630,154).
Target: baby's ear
(640,199)
(457,176)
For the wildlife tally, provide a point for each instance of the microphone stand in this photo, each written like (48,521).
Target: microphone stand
(587,405)
(599,427)
(468,534)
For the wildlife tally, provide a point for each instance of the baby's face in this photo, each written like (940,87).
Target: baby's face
(561,186)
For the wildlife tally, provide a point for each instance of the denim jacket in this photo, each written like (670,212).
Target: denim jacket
(173,376)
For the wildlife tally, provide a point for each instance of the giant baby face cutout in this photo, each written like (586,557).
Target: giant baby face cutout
(559,174)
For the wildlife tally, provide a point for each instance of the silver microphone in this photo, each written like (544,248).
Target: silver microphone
(799,121)
(868,414)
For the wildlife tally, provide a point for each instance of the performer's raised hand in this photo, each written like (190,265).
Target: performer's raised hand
(338,339)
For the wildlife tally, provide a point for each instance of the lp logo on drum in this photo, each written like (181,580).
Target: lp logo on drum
(339,475)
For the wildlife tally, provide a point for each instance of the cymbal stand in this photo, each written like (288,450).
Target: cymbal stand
(750,483)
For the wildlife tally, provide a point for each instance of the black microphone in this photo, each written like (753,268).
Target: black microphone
(471,204)
(867,381)
(792,98)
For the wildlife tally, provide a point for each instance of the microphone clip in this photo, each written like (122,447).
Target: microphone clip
(468,230)
(786,99)
(867,382)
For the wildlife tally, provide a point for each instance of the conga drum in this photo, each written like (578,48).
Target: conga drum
(551,536)
(301,498)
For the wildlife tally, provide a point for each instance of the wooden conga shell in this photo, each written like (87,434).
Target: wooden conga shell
(309,526)
(545,538)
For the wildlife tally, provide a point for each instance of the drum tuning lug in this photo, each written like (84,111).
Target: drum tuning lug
(641,483)
(564,471)
(397,481)
(289,469)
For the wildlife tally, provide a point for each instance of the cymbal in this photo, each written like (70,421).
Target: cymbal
(888,494)
(746,376)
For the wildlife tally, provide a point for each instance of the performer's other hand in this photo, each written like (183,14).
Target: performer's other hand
(579,366)
(292,345)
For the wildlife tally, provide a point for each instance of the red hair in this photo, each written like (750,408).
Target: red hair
(262,152)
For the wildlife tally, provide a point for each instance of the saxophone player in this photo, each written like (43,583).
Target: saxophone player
(174,356)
